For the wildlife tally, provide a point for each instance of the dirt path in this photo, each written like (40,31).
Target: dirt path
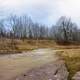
(17,64)
(52,71)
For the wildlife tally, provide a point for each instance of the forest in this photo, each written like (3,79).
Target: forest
(22,27)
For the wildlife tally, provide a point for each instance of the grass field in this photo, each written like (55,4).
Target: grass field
(15,46)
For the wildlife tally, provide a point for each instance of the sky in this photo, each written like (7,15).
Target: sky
(42,11)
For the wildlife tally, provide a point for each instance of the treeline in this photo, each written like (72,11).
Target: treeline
(22,27)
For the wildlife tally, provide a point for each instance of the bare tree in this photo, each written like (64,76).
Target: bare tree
(23,27)
(64,29)
(2,29)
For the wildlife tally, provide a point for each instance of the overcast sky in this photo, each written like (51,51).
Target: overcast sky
(42,11)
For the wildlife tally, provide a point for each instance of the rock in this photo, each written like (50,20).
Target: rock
(51,71)
(76,76)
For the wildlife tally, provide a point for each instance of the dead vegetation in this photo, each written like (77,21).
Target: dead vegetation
(18,45)
(72,60)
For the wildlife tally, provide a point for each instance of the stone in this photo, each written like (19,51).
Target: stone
(76,76)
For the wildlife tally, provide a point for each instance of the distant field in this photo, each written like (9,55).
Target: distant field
(16,46)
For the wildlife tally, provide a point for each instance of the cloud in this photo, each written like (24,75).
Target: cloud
(42,11)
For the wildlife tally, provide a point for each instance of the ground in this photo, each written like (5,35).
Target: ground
(15,64)
(55,70)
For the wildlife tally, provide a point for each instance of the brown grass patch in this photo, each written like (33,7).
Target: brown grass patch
(72,60)
(17,46)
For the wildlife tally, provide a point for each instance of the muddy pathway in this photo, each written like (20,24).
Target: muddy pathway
(40,64)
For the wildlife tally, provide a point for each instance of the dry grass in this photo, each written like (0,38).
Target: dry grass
(15,46)
(72,60)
